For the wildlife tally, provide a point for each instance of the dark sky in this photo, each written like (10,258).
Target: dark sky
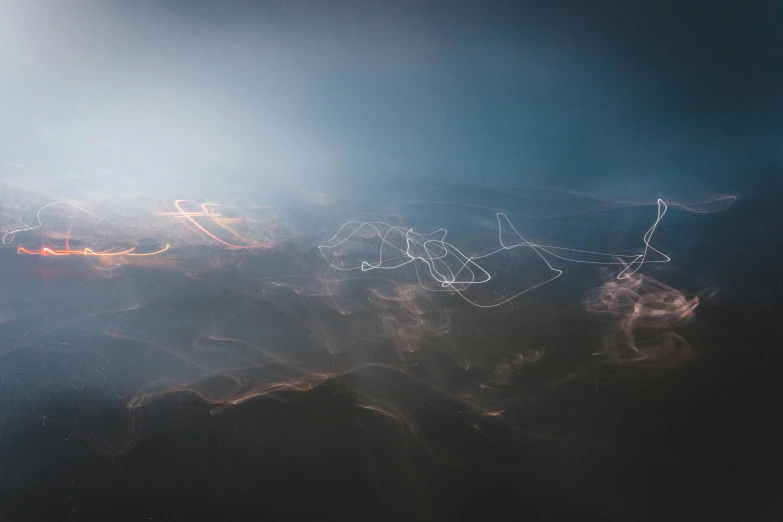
(619,98)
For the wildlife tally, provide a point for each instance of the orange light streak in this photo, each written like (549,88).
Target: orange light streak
(192,224)
(45,251)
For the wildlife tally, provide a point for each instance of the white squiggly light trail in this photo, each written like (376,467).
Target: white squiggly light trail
(432,252)
(9,236)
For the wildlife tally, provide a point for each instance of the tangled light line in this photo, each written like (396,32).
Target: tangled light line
(453,271)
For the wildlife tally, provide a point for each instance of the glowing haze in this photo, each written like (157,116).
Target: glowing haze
(255,201)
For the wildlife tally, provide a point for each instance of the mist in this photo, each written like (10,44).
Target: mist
(174,94)
(490,255)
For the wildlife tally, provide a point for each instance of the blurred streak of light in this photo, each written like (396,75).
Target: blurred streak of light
(434,252)
(68,252)
(192,224)
(87,252)
(9,236)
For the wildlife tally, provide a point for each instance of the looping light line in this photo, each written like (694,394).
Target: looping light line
(9,236)
(432,249)
(45,251)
